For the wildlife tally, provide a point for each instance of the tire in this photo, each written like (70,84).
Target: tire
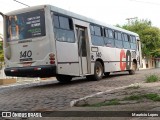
(107,74)
(134,68)
(98,72)
(64,78)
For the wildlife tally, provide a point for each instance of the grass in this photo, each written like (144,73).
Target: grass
(112,102)
(152,78)
(150,96)
(133,97)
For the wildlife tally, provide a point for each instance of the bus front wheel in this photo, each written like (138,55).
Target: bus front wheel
(64,78)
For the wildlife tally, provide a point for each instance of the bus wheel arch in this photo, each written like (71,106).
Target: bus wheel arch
(134,67)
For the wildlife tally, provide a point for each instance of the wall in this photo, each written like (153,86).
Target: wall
(148,63)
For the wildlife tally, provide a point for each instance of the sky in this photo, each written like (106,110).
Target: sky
(107,11)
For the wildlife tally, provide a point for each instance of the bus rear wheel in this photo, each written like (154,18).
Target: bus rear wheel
(64,78)
(134,68)
(98,72)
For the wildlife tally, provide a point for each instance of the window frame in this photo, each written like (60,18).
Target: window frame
(71,28)
(133,42)
(93,34)
(110,31)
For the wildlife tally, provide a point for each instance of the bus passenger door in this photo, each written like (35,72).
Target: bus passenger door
(81,33)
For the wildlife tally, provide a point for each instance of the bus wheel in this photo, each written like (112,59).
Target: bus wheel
(98,72)
(64,78)
(134,68)
(107,73)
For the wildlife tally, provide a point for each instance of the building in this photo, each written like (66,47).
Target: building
(157,62)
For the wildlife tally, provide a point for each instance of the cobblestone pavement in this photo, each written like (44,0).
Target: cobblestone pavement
(51,95)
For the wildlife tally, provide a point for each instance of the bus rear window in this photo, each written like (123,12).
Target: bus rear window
(25,25)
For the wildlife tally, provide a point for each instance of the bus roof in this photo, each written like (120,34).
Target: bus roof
(71,14)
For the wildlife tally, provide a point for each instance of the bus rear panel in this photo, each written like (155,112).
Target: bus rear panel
(27,46)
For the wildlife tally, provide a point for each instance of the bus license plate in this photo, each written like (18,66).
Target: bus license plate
(26,64)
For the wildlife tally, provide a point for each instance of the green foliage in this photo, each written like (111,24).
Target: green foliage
(152,96)
(137,97)
(133,97)
(149,36)
(152,78)
(112,102)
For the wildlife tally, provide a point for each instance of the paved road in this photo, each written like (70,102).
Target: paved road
(52,95)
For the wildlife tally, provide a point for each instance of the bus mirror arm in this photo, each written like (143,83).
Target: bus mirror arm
(3,15)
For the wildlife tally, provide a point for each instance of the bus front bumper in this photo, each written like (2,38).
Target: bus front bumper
(32,71)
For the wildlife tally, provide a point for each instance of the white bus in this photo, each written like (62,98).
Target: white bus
(45,41)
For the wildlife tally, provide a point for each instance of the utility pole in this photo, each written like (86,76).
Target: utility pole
(21,3)
(130,19)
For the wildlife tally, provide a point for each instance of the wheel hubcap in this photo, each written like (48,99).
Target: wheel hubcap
(98,71)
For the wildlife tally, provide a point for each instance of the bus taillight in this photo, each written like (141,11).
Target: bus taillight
(52,58)
(14,70)
(52,62)
(37,69)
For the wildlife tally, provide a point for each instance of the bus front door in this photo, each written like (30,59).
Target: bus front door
(82,48)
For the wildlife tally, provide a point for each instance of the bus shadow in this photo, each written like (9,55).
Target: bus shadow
(56,84)
(76,81)
(115,75)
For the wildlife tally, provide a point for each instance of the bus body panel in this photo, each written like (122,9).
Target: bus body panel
(114,58)
(30,52)
(30,57)
(67,58)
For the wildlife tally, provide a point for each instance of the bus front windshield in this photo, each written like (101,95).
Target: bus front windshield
(26,25)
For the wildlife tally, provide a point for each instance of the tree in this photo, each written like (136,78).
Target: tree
(149,36)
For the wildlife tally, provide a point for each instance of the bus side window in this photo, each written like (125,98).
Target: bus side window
(92,29)
(118,39)
(108,39)
(64,22)
(110,33)
(63,27)
(96,35)
(56,21)
(126,43)
(133,42)
(97,30)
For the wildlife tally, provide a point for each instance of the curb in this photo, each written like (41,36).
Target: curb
(73,102)
(23,84)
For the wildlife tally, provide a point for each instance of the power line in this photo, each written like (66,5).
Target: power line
(21,3)
(153,3)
